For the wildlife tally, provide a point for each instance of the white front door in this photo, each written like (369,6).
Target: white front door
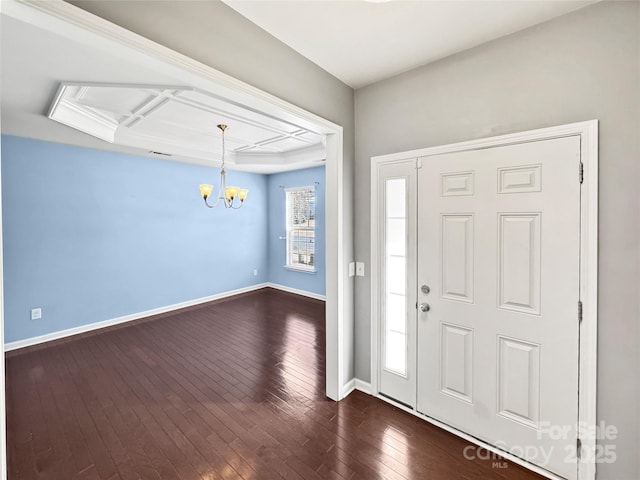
(499,249)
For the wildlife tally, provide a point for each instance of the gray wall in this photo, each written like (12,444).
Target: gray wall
(583,66)
(216,35)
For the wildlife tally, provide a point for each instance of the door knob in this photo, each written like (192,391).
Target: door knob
(424,307)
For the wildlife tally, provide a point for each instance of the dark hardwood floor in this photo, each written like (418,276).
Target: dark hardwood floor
(232,389)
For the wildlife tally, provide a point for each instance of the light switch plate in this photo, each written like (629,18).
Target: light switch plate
(360,269)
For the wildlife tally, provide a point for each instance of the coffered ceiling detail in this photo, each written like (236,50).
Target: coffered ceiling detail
(174,120)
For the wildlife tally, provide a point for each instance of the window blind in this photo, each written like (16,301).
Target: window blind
(301,221)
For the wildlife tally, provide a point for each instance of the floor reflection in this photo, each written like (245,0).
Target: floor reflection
(395,452)
(300,360)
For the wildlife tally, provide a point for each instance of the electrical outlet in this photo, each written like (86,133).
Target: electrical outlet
(360,269)
(255,272)
(352,269)
(36,313)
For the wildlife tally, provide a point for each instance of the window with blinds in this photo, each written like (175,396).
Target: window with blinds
(301,228)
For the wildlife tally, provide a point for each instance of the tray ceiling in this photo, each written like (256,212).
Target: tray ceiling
(169,120)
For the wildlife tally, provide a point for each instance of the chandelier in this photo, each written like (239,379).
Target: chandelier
(227,194)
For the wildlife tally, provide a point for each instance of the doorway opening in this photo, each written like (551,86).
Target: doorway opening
(68,22)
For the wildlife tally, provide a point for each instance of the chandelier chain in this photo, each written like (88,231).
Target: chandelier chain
(223,149)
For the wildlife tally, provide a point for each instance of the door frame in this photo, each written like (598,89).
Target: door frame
(588,327)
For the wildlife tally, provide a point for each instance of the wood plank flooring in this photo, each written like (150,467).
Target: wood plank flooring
(232,389)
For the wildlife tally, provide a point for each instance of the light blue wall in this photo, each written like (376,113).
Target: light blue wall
(92,235)
(309,282)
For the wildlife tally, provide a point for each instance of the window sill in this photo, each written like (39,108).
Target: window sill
(312,271)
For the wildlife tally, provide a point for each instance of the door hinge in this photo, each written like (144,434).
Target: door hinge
(579,311)
(581,172)
(578,448)
(418,163)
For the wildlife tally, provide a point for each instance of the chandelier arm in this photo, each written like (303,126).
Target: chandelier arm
(215,204)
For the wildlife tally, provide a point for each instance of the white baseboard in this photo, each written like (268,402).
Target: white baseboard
(127,318)
(363,386)
(356,384)
(304,293)
(348,387)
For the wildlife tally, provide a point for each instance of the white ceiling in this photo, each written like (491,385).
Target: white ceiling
(361,42)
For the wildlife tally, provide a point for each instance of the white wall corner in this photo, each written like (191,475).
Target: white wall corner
(356,384)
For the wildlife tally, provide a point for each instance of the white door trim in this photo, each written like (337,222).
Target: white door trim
(3,416)
(588,132)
